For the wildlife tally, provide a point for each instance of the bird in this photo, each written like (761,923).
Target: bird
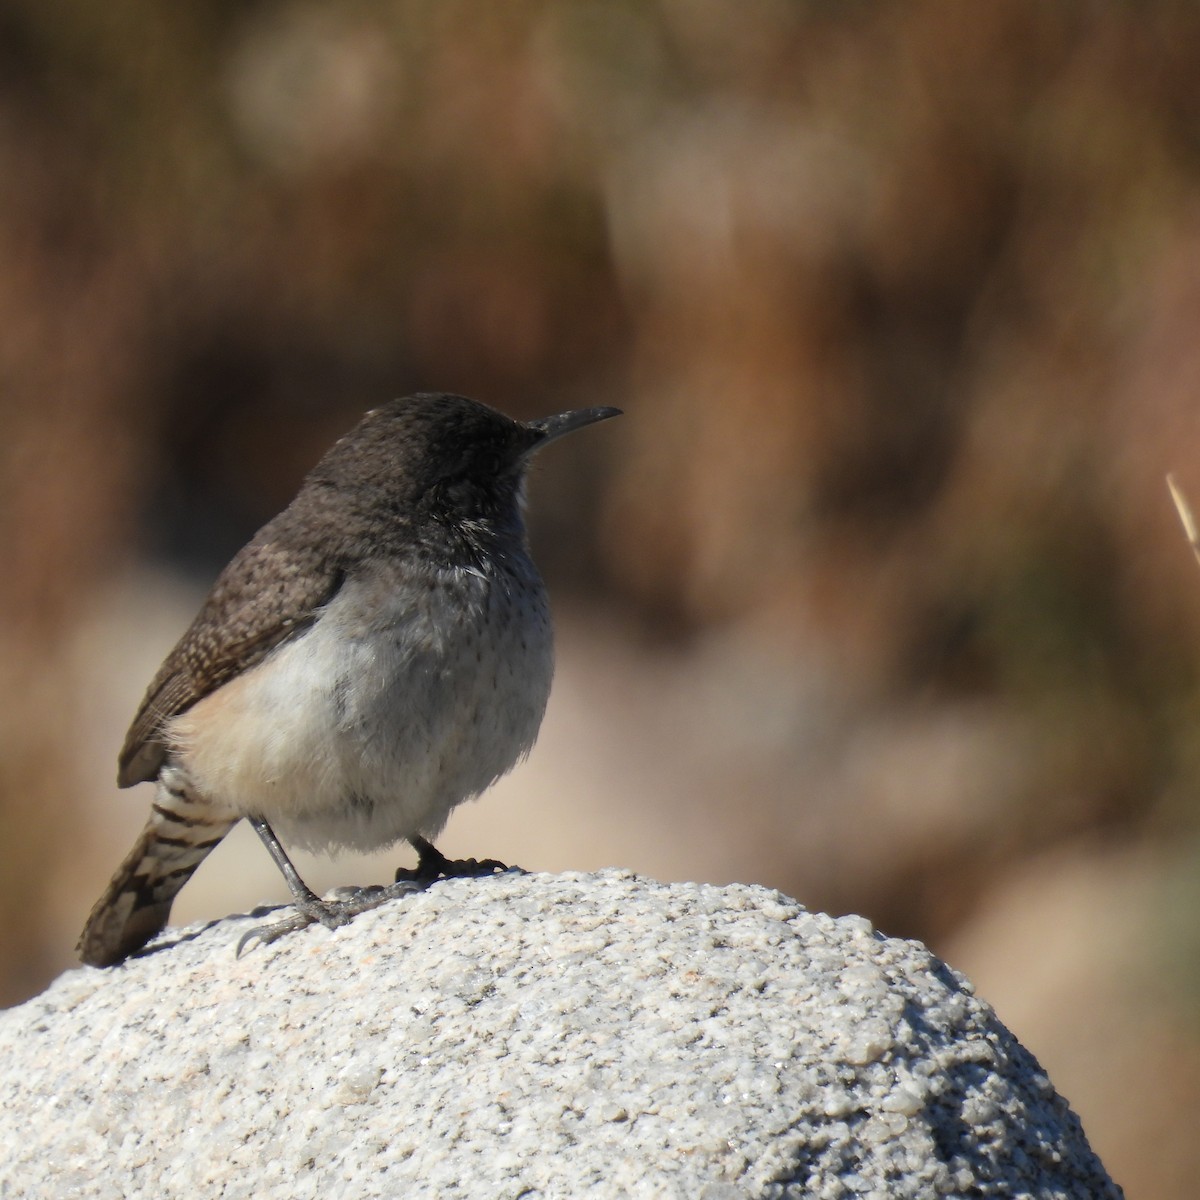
(379,652)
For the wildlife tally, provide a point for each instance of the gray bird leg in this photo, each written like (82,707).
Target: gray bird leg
(310,908)
(432,865)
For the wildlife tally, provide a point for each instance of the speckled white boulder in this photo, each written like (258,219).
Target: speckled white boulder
(533,1036)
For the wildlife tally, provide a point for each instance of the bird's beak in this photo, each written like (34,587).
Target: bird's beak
(547,429)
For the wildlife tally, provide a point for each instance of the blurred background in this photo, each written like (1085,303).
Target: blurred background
(875,595)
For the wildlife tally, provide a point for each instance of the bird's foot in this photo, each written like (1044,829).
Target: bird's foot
(432,865)
(333,914)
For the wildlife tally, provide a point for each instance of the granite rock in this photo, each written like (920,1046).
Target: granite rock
(533,1036)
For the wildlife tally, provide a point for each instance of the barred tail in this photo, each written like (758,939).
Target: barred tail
(136,904)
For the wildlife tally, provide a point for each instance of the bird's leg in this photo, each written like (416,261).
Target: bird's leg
(432,864)
(310,907)
(302,894)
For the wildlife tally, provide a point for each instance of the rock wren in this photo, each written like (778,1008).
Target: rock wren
(378,653)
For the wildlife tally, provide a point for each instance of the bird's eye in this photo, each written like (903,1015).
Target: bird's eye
(489,464)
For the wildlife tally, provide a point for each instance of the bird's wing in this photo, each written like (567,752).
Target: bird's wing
(267,594)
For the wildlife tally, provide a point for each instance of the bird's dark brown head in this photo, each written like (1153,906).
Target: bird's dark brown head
(440,457)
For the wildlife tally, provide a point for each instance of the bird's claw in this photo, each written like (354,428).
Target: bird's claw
(333,914)
(431,870)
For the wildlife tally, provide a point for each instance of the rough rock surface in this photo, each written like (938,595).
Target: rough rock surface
(533,1036)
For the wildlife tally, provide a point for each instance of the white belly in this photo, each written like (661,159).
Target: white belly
(400,702)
